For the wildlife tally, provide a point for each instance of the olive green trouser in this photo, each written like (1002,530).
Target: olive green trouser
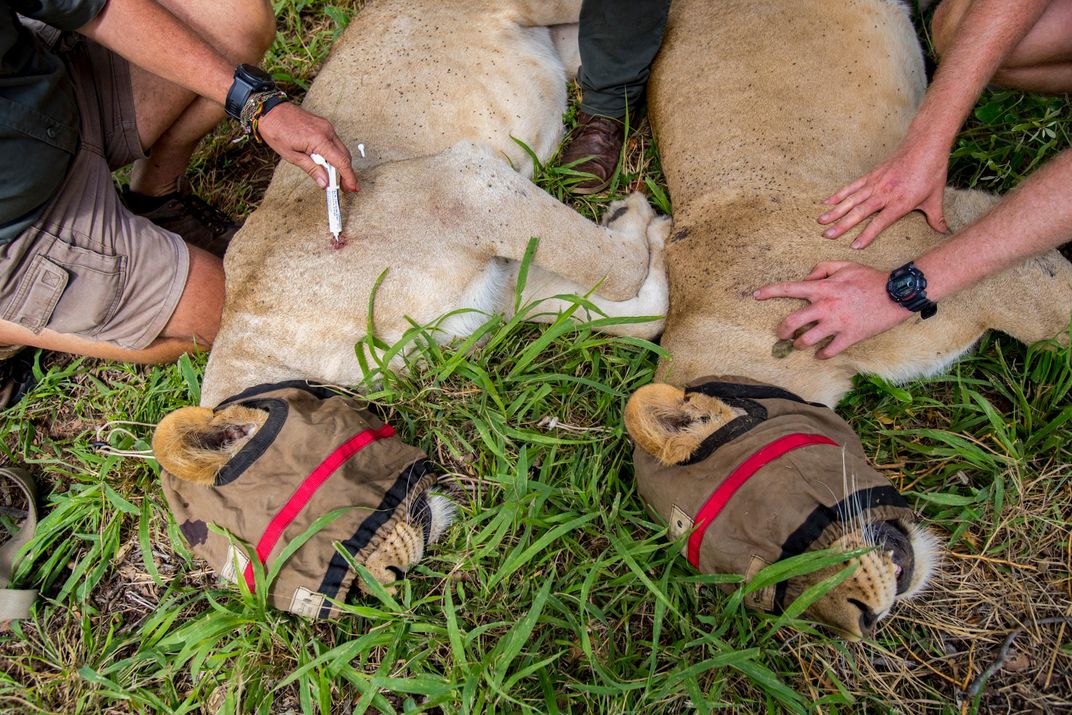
(618,41)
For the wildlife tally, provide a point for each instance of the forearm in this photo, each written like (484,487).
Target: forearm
(146,34)
(988,32)
(1035,217)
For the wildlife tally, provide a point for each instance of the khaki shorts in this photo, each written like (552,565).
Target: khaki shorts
(87,266)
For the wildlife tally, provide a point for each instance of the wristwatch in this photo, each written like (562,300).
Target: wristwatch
(248,79)
(907,287)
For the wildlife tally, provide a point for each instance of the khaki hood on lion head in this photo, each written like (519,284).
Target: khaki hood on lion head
(310,480)
(754,474)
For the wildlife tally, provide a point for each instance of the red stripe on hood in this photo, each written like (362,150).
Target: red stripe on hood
(725,491)
(305,491)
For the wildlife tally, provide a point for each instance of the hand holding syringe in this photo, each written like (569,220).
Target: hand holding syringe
(332,194)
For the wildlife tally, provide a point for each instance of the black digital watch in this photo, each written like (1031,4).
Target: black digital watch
(907,287)
(248,79)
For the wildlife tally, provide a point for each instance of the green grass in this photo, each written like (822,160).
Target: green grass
(555,592)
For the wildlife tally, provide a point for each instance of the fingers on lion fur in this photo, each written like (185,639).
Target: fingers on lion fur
(670,424)
(194,443)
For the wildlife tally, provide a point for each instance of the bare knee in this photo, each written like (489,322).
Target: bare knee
(197,315)
(1041,61)
(243,30)
(258,30)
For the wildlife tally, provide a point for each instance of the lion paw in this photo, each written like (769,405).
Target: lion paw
(659,232)
(631,212)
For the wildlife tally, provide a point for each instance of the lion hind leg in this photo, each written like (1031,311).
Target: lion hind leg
(564,38)
(1031,301)
(964,206)
(613,255)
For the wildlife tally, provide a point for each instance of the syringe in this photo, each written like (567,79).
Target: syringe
(332,192)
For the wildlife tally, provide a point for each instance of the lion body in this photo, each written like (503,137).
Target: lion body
(787,101)
(437,91)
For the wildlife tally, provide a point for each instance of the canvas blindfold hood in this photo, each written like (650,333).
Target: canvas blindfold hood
(786,477)
(318,452)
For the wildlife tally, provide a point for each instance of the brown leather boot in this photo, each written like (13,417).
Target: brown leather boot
(596,143)
(16,374)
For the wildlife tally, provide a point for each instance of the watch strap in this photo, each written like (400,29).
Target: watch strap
(259,104)
(248,80)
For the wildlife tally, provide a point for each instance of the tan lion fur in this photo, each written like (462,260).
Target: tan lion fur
(436,91)
(194,443)
(670,424)
(786,102)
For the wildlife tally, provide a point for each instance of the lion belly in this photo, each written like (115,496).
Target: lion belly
(410,80)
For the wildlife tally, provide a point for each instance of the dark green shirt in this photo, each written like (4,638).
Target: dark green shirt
(38,112)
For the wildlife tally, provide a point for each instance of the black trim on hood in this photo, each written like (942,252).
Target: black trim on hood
(338,567)
(277,410)
(321,392)
(736,390)
(743,397)
(755,415)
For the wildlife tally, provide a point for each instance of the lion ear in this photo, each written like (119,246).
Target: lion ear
(670,424)
(195,443)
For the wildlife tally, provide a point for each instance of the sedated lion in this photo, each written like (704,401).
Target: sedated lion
(785,101)
(439,92)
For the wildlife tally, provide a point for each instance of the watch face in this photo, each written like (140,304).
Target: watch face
(905,282)
(906,286)
(255,74)
(247,80)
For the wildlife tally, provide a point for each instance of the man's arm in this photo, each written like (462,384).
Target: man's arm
(914,176)
(848,301)
(146,34)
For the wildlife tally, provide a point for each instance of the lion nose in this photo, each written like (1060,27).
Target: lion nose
(868,618)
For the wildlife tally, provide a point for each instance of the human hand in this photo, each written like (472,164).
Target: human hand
(847,302)
(295,134)
(913,177)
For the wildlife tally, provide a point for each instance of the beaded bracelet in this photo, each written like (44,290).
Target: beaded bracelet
(259,104)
